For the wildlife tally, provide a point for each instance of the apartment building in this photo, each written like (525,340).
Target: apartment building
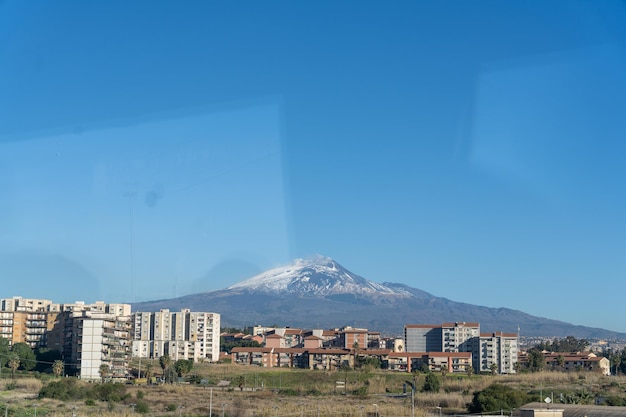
(499,349)
(181,335)
(91,335)
(27,320)
(485,349)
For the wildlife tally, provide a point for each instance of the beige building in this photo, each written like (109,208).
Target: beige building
(27,320)
(181,335)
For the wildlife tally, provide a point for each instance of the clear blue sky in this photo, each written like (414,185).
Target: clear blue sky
(474,150)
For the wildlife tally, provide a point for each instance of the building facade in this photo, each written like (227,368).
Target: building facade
(181,335)
(94,340)
(498,350)
(27,320)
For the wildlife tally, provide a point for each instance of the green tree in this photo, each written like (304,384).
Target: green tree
(431,383)
(104,371)
(14,363)
(241,382)
(165,362)
(497,397)
(4,351)
(170,375)
(536,360)
(45,357)
(57,368)
(469,371)
(26,355)
(444,370)
(183,366)
(149,371)
(493,368)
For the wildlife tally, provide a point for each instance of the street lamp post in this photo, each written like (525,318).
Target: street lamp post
(275,411)
(35,405)
(439,408)
(180,410)
(132,409)
(376,405)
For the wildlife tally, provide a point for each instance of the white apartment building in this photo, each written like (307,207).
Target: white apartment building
(91,335)
(500,349)
(181,335)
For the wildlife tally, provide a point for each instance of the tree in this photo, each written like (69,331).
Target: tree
(57,368)
(14,363)
(165,362)
(431,383)
(183,366)
(560,362)
(169,375)
(26,355)
(497,397)
(104,371)
(469,371)
(241,382)
(4,351)
(493,368)
(444,370)
(149,370)
(536,360)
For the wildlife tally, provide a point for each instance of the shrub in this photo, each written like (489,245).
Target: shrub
(497,397)
(90,402)
(170,407)
(431,383)
(140,395)
(142,407)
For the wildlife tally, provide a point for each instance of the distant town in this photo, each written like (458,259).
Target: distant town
(97,336)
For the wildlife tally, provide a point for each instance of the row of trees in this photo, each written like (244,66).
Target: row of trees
(20,356)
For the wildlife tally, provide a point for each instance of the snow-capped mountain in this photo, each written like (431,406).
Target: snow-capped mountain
(319,277)
(320,293)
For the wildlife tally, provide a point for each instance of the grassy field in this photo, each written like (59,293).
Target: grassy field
(292,392)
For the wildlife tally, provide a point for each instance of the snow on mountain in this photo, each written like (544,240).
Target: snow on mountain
(320,276)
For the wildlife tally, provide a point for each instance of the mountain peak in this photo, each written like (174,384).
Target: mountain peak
(319,276)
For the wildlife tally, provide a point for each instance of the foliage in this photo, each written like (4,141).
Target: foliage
(14,363)
(65,389)
(57,368)
(170,375)
(104,371)
(68,389)
(90,402)
(183,366)
(431,383)
(536,360)
(4,351)
(227,346)
(497,397)
(26,355)
(142,407)
(165,361)
(108,392)
(45,358)
(569,344)
(170,407)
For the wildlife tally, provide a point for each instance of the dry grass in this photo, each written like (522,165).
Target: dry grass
(305,394)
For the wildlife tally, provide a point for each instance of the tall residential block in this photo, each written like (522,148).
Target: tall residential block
(27,320)
(181,335)
(499,349)
(94,339)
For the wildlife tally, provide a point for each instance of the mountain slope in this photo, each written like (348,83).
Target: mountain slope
(321,293)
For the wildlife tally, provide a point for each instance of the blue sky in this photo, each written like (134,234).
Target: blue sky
(474,150)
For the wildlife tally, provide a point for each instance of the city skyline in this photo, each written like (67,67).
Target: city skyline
(473,151)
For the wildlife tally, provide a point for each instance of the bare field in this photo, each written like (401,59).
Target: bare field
(287,392)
